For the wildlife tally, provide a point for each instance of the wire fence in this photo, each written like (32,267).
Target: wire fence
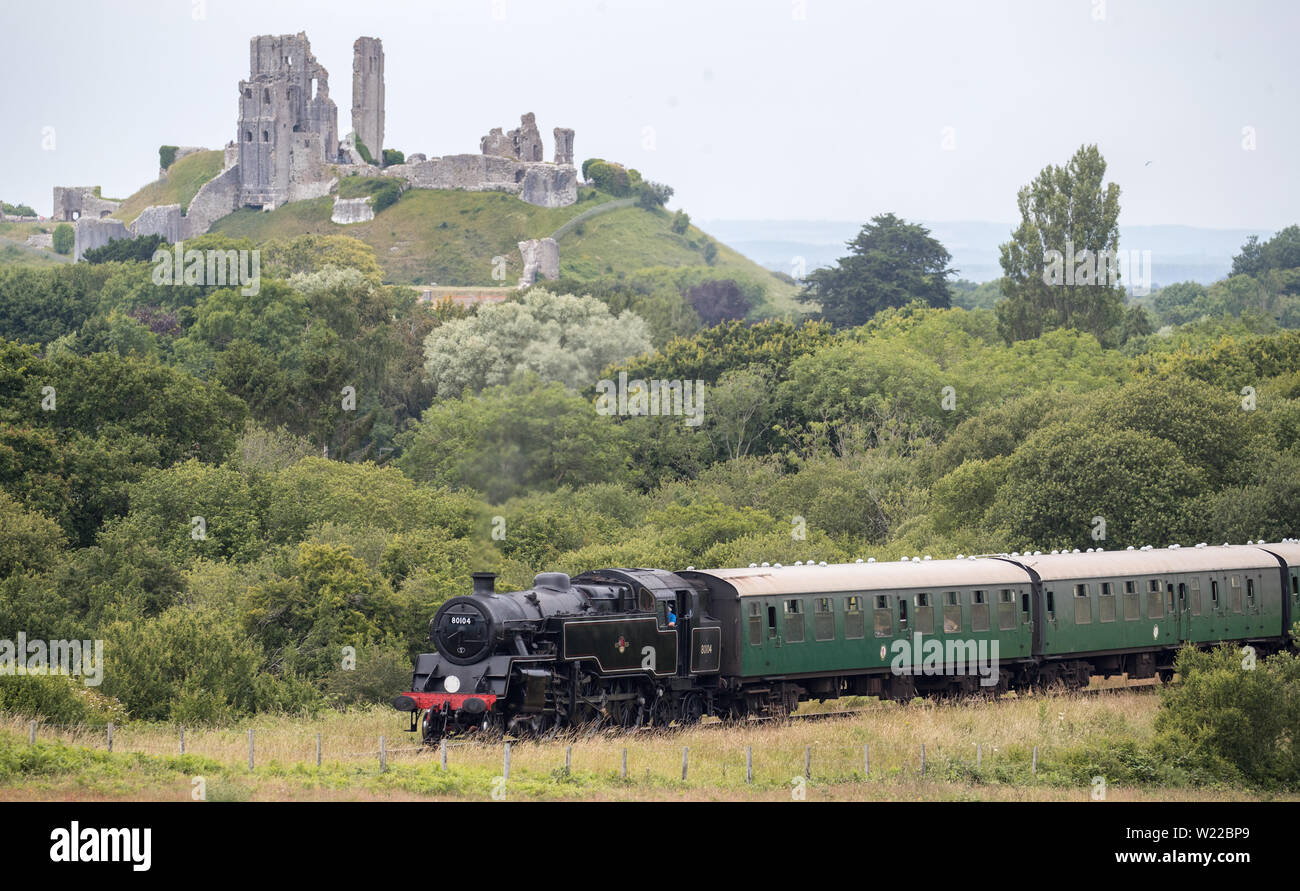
(653,756)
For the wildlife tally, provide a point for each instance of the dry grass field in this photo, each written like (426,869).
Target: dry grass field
(1078,738)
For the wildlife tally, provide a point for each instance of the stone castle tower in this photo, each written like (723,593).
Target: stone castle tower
(368,94)
(288,125)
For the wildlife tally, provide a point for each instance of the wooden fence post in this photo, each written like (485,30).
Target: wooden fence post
(318,749)
(685,749)
(1035,760)
(807,762)
(506,774)
(383,756)
(866,759)
(110,736)
(31,736)
(922,757)
(749,764)
(625,764)
(250,748)
(443,746)
(979,754)
(568,760)
(182,739)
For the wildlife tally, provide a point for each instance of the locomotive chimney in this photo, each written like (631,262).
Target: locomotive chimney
(484,582)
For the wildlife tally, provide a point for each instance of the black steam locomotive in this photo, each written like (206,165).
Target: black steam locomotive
(625,647)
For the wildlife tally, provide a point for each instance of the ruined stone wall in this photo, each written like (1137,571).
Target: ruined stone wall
(541,257)
(218,197)
(92,233)
(80,202)
(563,145)
(548,185)
(352,210)
(164,220)
(368,94)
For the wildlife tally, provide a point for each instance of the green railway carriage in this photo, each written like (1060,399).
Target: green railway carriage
(634,646)
(1129,611)
(869,627)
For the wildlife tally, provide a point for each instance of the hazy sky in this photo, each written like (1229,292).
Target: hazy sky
(767,109)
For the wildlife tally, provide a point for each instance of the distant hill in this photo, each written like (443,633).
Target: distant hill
(1178,253)
(447,237)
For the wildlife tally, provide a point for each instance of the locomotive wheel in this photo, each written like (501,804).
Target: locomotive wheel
(662,712)
(692,708)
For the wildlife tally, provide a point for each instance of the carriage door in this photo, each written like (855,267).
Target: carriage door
(1184,613)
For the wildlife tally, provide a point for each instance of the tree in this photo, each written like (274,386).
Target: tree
(64,238)
(891,263)
(515,438)
(718,301)
(1282,251)
(681,222)
(559,337)
(651,195)
(1055,274)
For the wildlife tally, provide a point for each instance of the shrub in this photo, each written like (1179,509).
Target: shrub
(710,252)
(650,195)
(167,155)
(386,196)
(393,156)
(611,178)
(364,152)
(1234,718)
(681,222)
(124,250)
(586,166)
(64,238)
(57,699)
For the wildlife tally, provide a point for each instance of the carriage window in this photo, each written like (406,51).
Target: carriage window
(1024,606)
(793,621)
(771,621)
(951,612)
(1169,605)
(1132,601)
(1295,585)
(1006,609)
(1106,603)
(924,614)
(1051,606)
(884,617)
(1082,605)
(1155,605)
(755,625)
(979,612)
(902,614)
(854,627)
(824,620)
(1194,596)
(1214,595)
(1234,583)
(1250,593)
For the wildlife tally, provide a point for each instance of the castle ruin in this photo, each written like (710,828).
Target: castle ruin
(287,148)
(368,95)
(288,125)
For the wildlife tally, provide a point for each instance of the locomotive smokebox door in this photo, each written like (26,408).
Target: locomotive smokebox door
(535,688)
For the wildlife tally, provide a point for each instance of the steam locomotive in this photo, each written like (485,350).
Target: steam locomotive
(633,647)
